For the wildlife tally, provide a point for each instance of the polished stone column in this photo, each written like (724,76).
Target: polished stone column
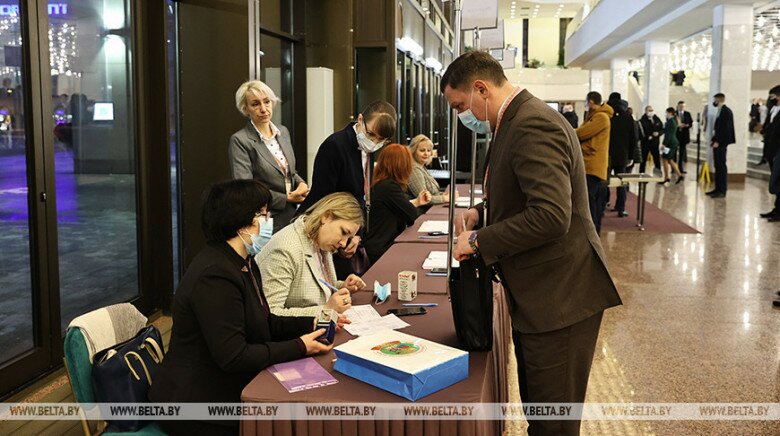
(732,40)
(619,72)
(598,79)
(657,76)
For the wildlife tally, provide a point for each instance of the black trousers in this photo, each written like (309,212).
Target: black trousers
(620,203)
(721,170)
(596,199)
(553,367)
(652,148)
(682,155)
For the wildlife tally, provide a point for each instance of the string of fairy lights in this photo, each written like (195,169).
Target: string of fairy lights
(694,53)
(63,47)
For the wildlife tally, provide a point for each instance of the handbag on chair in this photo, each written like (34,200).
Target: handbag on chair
(123,373)
(471,294)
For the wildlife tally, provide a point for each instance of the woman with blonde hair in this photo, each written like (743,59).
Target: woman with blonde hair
(263,151)
(297,263)
(420,180)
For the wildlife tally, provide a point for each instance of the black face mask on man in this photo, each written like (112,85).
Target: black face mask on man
(715,103)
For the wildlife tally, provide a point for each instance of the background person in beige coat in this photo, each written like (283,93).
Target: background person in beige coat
(296,261)
(535,230)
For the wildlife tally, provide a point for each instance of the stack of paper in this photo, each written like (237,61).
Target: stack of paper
(303,374)
(438,259)
(434,226)
(366,320)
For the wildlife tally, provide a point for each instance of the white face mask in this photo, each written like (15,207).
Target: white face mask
(650,114)
(365,144)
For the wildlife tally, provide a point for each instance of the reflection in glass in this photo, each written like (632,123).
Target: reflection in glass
(94,156)
(16,315)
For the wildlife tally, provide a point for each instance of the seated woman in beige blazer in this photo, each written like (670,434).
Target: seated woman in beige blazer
(297,262)
(421,180)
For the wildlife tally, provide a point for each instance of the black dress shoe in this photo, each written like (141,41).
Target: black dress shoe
(622,214)
(711,193)
(718,195)
(679,179)
(776,303)
(769,214)
(774,219)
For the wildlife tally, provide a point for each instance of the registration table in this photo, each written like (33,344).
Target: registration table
(463,192)
(407,257)
(487,383)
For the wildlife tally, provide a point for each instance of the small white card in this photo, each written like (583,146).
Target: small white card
(434,226)
(438,259)
(387,322)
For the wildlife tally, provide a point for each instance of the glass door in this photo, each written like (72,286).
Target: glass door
(95,157)
(18,336)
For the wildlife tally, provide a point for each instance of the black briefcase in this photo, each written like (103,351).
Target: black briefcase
(471,293)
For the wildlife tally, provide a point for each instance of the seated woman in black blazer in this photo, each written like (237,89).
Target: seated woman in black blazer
(391,210)
(223,332)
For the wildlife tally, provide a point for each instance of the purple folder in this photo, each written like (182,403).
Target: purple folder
(303,374)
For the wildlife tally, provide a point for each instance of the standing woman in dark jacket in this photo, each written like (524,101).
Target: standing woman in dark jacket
(670,146)
(223,332)
(391,209)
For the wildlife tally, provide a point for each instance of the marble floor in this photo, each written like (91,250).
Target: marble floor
(697,324)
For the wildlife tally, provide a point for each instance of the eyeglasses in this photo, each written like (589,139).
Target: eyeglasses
(265,215)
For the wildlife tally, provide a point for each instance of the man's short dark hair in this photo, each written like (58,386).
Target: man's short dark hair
(671,110)
(470,66)
(231,206)
(775,90)
(680,102)
(614,96)
(593,96)
(384,113)
(720,95)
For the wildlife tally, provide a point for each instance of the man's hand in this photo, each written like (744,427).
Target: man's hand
(354,283)
(351,248)
(470,217)
(462,249)
(715,145)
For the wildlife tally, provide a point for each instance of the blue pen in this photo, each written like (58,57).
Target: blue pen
(420,304)
(331,287)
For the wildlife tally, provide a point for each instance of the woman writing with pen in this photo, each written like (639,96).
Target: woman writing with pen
(297,263)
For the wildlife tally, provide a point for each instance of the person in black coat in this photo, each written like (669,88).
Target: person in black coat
(651,128)
(771,133)
(570,115)
(391,210)
(685,121)
(223,331)
(621,146)
(636,146)
(723,136)
(344,163)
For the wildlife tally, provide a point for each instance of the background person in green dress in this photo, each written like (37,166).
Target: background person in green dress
(669,147)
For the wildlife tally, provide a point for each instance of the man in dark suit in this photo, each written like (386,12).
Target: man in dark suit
(651,128)
(345,162)
(723,136)
(771,132)
(683,134)
(535,229)
(622,142)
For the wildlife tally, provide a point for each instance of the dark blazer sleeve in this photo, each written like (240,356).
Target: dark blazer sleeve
(542,167)
(218,304)
(291,327)
(327,167)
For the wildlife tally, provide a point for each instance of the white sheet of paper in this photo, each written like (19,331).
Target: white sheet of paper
(464,202)
(387,322)
(433,226)
(438,259)
(364,312)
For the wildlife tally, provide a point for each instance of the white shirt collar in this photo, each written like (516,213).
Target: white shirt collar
(274,132)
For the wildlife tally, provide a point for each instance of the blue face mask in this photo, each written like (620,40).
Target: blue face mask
(471,122)
(381,292)
(259,240)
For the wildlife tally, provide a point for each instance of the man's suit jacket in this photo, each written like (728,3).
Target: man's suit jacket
(222,334)
(684,133)
(291,273)
(338,167)
(251,159)
(539,229)
(724,127)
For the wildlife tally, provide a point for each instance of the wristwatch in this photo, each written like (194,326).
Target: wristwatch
(473,241)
